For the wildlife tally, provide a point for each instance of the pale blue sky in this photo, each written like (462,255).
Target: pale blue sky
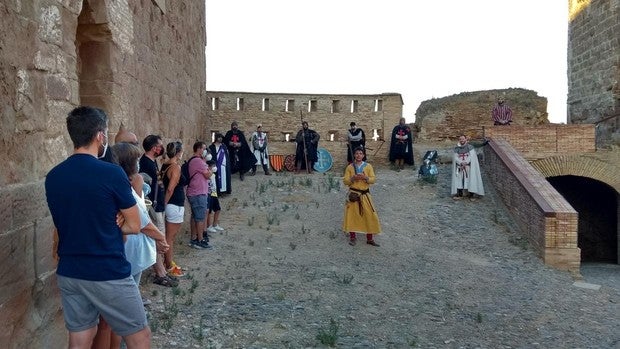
(421,49)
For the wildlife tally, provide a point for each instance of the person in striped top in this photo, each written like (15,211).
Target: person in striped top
(502,114)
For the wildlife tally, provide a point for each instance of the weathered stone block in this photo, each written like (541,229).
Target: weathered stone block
(29,202)
(43,241)
(58,88)
(16,277)
(6,209)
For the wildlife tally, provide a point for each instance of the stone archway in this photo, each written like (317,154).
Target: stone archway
(591,186)
(94,53)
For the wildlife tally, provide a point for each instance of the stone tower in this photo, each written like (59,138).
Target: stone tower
(594,67)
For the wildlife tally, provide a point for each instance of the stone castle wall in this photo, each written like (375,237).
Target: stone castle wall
(329,115)
(594,67)
(466,113)
(141,61)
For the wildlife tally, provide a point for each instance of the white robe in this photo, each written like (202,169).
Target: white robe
(466,172)
(258,141)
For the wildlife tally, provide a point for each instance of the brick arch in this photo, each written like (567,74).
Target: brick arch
(582,166)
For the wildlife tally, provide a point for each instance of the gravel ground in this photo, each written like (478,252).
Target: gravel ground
(448,274)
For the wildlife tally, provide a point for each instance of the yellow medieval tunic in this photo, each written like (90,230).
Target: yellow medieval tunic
(360,216)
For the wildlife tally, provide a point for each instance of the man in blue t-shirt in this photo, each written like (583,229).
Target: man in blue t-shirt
(91,217)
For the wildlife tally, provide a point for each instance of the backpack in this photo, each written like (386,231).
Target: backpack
(185,169)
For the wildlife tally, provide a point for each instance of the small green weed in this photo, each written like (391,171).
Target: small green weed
(329,336)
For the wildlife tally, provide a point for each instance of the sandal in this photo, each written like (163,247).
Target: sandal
(165,281)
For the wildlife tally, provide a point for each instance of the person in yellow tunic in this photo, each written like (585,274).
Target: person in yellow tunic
(360,215)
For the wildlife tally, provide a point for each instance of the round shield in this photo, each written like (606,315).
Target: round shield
(289,163)
(324,162)
(277,162)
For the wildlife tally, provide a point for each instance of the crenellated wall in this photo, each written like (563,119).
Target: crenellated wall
(141,61)
(329,115)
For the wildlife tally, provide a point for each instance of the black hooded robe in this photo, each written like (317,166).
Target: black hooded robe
(401,149)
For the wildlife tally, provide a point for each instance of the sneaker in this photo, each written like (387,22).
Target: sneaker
(146,301)
(218,228)
(196,244)
(176,272)
(205,244)
(173,264)
(211,229)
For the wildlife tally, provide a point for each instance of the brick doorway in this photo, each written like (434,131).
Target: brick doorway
(94,54)
(597,205)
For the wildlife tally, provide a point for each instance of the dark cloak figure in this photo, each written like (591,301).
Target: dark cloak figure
(307,145)
(356,138)
(401,145)
(241,157)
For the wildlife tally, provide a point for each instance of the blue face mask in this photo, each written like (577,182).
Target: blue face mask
(146,189)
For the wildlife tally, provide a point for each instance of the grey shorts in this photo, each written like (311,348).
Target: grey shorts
(118,301)
(199,206)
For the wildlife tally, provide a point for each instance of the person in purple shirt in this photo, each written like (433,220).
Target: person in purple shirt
(91,216)
(197,191)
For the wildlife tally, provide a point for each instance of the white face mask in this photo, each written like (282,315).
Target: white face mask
(105,147)
(138,166)
(214,169)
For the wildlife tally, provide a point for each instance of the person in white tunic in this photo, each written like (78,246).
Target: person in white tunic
(466,177)
(258,142)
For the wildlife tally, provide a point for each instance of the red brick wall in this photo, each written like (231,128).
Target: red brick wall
(543,215)
(545,140)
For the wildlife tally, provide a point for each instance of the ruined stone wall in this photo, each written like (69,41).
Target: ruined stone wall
(594,67)
(142,61)
(447,117)
(327,114)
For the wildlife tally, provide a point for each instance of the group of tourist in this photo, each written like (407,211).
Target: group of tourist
(132,210)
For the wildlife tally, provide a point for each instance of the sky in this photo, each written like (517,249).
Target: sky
(420,49)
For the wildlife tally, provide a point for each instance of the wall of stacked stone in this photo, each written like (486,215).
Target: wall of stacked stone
(317,110)
(446,118)
(594,67)
(155,84)
(546,140)
(543,215)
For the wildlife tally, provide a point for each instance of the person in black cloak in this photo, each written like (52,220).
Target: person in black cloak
(307,145)
(356,138)
(241,157)
(401,146)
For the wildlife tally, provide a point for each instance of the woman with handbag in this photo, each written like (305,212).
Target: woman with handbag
(360,215)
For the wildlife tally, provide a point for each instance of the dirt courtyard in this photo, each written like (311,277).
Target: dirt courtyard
(448,274)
